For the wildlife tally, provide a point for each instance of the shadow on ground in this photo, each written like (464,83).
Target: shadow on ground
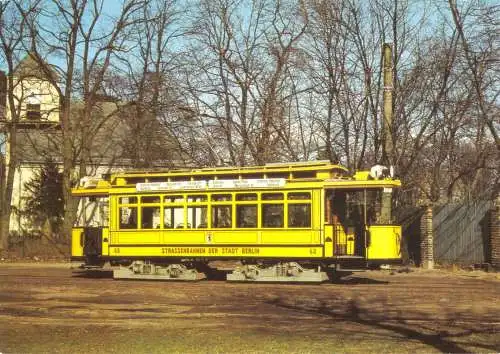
(92,274)
(444,335)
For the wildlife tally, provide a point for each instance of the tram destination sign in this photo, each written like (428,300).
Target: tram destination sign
(213,184)
(246,183)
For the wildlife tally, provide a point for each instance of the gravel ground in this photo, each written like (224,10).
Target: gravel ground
(45,307)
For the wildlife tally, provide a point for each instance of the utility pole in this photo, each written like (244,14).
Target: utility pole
(388,145)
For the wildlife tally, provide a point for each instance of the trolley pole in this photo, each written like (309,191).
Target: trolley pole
(387,147)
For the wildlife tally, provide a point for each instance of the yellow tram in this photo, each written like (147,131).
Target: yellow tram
(282,222)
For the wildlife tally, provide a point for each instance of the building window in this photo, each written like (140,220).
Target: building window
(33,111)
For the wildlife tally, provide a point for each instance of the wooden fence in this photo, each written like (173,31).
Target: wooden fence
(462,233)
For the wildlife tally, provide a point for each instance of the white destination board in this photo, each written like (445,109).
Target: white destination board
(169,186)
(215,184)
(246,183)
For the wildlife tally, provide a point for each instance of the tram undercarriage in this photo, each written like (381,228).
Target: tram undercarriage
(270,271)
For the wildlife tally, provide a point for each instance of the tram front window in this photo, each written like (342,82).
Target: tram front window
(364,201)
(93,212)
(357,207)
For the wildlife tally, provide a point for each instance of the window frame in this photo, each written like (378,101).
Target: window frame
(33,111)
(133,205)
(190,202)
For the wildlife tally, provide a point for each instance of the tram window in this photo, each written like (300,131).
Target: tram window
(197,198)
(299,196)
(128,200)
(272,215)
(299,215)
(221,197)
(150,217)
(246,196)
(221,216)
(246,216)
(128,217)
(173,199)
(272,196)
(173,218)
(150,199)
(197,217)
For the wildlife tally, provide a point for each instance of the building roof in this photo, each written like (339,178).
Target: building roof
(29,66)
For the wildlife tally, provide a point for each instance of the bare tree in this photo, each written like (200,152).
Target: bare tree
(150,85)
(85,41)
(481,57)
(13,34)
(244,89)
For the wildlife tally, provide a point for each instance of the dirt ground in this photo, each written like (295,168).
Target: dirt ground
(46,308)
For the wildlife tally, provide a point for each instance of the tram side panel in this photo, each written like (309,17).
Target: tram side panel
(77,239)
(383,241)
(223,243)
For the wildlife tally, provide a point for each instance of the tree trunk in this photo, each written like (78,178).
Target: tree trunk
(70,204)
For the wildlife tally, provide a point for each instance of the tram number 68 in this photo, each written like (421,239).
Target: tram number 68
(116,250)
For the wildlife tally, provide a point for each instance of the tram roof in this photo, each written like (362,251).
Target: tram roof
(214,172)
(328,174)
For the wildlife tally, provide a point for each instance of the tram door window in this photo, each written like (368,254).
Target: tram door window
(273,210)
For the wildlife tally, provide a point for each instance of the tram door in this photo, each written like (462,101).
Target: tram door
(93,219)
(346,213)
